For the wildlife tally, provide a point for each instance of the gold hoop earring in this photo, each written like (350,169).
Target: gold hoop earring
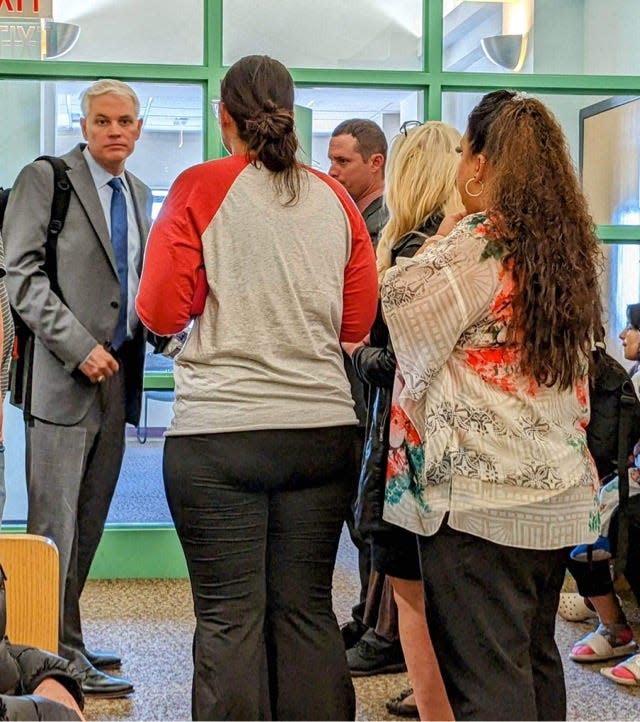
(469,193)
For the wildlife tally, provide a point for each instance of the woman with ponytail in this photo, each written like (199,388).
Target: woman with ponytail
(259,460)
(492,326)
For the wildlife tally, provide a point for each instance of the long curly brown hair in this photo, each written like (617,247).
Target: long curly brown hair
(536,201)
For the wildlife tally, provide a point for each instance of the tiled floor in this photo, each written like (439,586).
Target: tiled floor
(150,623)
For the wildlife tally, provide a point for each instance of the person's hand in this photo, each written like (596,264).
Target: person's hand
(53,690)
(98,365)
(449,223)
(349,347)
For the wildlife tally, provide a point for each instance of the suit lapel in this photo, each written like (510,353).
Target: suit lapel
(85,189)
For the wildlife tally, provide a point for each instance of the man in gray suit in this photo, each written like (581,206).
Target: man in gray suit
(88,353)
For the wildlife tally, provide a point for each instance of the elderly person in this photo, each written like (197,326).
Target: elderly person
(259,460)
(492,326)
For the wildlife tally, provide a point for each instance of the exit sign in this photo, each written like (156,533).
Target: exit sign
(25,9)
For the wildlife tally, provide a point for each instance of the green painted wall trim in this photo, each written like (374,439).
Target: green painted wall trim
(133,551)
(619,234)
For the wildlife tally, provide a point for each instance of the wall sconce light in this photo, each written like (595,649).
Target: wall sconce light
(507,51)
(56,39)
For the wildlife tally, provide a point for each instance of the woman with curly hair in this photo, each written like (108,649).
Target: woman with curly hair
(420,190)
(492,326)
(259,462)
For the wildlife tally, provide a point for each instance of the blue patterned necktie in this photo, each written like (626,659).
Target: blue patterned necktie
(120,241)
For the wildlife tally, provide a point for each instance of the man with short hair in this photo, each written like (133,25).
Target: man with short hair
(88,353)
(358,152)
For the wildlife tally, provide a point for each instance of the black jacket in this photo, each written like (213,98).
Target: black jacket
(22,669)
(375,365)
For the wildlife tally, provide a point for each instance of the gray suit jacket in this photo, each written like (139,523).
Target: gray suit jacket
(87,275)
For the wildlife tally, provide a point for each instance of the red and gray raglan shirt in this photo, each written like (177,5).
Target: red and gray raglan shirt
(286,284)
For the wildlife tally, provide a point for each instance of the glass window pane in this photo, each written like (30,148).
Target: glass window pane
(620,287)
(121,31)
(386,34)
(611,160)
(44,117)
(541,36)
(330,106)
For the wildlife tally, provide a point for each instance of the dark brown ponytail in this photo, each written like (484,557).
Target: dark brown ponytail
(258,93)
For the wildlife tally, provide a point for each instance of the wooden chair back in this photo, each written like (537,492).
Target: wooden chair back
(31,565)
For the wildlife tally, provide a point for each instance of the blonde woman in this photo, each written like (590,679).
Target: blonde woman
(420,191)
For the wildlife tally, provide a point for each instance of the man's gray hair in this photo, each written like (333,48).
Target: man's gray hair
(104,86)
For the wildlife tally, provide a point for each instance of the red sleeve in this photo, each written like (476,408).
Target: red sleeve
(173,255)
(360,294)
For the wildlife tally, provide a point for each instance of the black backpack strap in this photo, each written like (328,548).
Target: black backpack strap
(59,208)
(57,216)
(627,404)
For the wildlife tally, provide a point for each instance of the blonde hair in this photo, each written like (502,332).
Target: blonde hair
(104,86)
(420,183)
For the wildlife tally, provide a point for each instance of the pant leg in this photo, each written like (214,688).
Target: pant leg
(483,604)
(101,473)
(359,610)
(222,528)
(592,579)
(56,457)
(71,477)
(546,663)
(302,631)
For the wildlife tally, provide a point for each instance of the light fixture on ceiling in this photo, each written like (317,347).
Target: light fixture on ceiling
(509,49)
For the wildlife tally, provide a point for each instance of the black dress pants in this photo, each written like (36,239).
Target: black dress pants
(259,516)
(491,611)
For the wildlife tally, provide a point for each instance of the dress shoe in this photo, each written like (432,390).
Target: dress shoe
(103,660)
(98,684)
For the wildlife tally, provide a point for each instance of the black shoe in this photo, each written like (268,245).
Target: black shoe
(98,684)
(103,660)
(365,659)
(351,633)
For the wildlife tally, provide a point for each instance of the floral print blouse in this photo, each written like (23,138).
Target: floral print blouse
(505,458)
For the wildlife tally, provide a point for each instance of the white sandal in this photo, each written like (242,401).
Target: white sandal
(631,665)
(600,644)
